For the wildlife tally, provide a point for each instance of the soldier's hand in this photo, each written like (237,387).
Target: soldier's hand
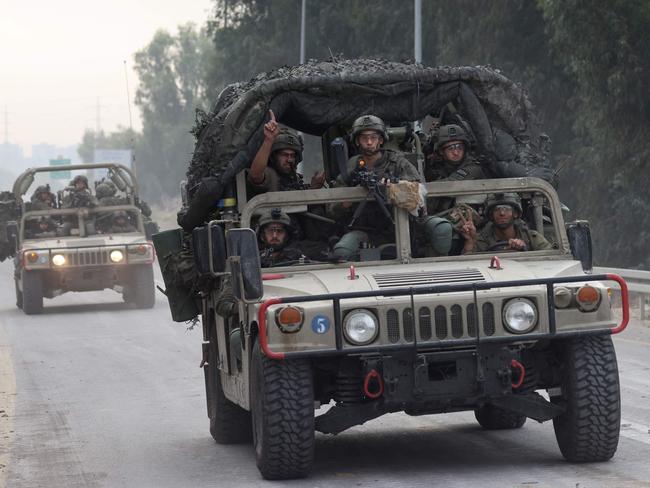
(271,128)
(517,244)
(317,180)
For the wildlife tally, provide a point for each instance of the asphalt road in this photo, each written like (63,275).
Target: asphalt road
(95,394)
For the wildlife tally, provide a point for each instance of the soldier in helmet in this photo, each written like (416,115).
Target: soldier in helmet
(451,159)
(121,223)
(43,198)
(368,135)
(275,235)
(78,194)
(505,229)
(274,165)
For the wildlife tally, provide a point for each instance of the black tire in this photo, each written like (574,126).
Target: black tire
(282,407)
(141,289)
(495,418)
(229,423)
(19,295)
(32,292)
(588,430)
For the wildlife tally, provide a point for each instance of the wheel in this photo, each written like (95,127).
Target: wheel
(588,430)
(282,407)
(495,418)
(229,423)
(19,295)
(32,292)
(141,290)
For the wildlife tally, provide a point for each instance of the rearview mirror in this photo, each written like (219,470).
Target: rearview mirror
(245,266)
(579,236)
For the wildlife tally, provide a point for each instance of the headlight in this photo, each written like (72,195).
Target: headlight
(520,315)
(116,256)
(58,260)
(360,327)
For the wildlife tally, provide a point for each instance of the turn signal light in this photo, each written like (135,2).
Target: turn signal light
(588,298)
(289,319)
(32,256)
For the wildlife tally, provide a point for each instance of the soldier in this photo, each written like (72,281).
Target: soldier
(43,198)
(121,223)
(79,194)
(505,230)
(369,134)
(46,228)
(274,233)
(274,165)
(451,159)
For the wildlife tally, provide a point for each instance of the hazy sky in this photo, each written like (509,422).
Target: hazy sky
(60,59)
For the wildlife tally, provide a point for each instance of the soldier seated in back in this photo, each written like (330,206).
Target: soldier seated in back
(275,234)
(77,194)
(43,198)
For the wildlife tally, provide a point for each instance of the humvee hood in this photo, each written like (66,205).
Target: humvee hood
(373,278)
(91,241)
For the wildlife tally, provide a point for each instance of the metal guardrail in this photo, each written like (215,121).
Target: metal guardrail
(638,282)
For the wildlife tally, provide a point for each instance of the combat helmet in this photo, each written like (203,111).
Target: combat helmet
(495,199)
(79,178)
(288,139)
(448,133)
(105,189)
(274,215)
(368,122)
(42,189)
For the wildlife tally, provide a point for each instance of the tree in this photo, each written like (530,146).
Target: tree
(172,73)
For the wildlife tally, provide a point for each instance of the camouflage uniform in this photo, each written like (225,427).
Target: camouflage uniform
(121,223)
(287,251)
(76,197)
(535,241)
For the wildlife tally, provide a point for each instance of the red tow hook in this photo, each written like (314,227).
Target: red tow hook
(522,373)
(495,263)
(374,377)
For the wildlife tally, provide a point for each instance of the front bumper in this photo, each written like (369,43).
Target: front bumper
(550,332)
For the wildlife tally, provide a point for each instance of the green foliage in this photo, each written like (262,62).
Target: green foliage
(172,72)
(121,139)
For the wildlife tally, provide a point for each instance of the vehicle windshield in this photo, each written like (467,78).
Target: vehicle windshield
(346,225)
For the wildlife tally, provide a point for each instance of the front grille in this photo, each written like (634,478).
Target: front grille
(453,322)
(85,257)
(420,278)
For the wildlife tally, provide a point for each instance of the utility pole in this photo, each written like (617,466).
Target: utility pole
(128,102)
(418,31)
(6,126)
(98,117)
(302,31)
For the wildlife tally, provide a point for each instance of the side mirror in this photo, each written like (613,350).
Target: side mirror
(245,266)
(209,246)
(579,236)
(151,228)
(12,233)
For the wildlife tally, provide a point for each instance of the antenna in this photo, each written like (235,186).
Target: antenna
(128,103)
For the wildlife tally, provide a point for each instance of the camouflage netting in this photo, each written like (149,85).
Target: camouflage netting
(317,95)
(8,213)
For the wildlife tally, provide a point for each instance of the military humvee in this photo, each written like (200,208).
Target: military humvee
(508,335)
(80,251)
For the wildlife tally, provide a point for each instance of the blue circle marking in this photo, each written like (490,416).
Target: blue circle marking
(320,324)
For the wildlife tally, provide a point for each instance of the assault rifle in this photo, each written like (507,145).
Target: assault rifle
(368,179)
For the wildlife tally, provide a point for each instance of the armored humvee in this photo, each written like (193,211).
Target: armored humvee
(77,248)
(322,346)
